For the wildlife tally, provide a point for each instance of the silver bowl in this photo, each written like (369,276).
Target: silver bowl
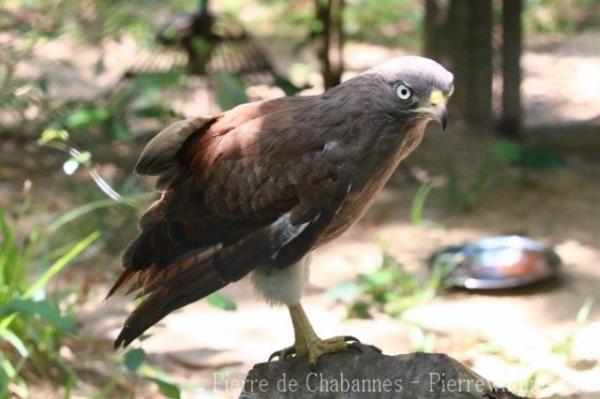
(494,263)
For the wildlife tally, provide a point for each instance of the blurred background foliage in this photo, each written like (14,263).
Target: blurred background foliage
(83,146)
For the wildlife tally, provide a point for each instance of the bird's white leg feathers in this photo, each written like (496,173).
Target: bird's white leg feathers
(282,286)
(285,286)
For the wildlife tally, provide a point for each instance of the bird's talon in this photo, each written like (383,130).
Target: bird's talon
(356,347)
(274,355)
(283,354)
(350,339)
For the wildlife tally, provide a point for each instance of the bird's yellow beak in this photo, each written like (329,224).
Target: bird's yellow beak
(437,102)
(436,109)
(437,98)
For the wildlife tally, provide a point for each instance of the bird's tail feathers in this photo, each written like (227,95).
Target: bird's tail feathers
(197,274)
(184,281)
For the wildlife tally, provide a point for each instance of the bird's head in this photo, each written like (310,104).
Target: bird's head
(416,88)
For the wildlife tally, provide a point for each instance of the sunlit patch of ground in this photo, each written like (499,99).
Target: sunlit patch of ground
(561,80)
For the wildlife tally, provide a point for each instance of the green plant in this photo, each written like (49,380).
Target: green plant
(229,90)
(381,21)
(565,346)
(417,207)
(421,340)
(389,288)
(134,362)
(527,157)
(112,115)
(499,155)
(560,16)
(534,382)
(33,323)
(461,195)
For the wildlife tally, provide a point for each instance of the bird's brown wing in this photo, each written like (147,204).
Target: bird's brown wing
(220,180)
(247,188)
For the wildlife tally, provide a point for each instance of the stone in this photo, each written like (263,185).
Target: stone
(367,373)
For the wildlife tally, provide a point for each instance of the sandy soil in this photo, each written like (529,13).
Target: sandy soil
(558,83)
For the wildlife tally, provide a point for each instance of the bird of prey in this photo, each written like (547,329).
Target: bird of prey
(254,189)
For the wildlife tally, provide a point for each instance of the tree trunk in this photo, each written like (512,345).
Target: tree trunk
(433,36)
(510,122)
(469,29)
(330,50)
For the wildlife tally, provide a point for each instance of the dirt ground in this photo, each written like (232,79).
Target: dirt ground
(507,338)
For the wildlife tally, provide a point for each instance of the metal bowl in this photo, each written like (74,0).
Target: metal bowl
(493,263)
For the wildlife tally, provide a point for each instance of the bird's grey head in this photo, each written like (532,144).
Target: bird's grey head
(416,88)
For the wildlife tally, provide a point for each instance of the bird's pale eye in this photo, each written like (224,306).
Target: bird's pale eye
(404,92)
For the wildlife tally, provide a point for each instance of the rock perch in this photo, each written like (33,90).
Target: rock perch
(370,374)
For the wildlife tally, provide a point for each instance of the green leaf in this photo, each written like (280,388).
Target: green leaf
(507,150)
(7,367)
(82,210)
(60,263)
(87,117)
(151,110)
(133,359)
(168,389)
(50,135)
(106,389)
(42,84)
(221,301)
(76,160)
(202,48)
(15,341)
(230,90)
(359,310)
(82,157)
(156,80)
(284,84)
(347,291)
(584,311)
(40,310)
(119,129)
(377,278)
(422,342)
(99,66)
(541,158)
(418,204)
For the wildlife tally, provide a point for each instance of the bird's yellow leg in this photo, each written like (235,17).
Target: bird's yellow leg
(307,343)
